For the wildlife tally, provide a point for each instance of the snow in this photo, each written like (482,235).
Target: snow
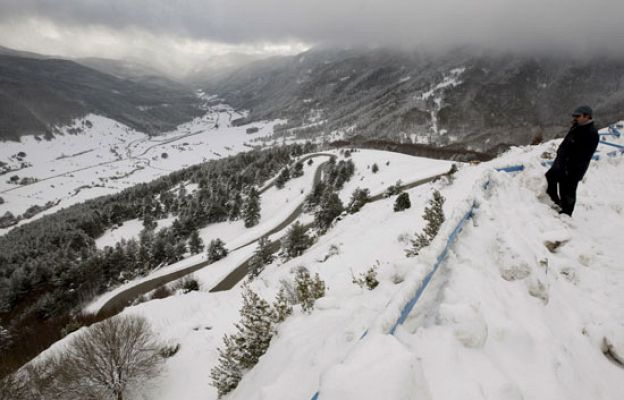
(128,230)
(450,79)
(276,206)
(404,167)
(107,157)
(504,317)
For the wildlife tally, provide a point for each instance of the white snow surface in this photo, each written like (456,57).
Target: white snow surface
(503,318)
(107,157)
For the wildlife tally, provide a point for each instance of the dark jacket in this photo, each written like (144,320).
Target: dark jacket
(576,151)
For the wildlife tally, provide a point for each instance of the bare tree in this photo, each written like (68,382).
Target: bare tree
(110,357)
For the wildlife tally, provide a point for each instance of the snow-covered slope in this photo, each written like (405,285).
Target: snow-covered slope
(520,309)
(97,156)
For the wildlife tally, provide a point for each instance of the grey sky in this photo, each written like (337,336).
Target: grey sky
(191,30)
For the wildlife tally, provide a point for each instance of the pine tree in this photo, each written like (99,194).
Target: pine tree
(170,252)
(234,206)
(282,178)
(297,170)
(242,350)
(196,244)
(216,250)
(251,208)
(262,256)
(359,197)
(375,168)
(227,373)
(148,221)
(308,289)
(281,308)
(330,208)
(314,198)
(255,329)
(180,249)
(368,279)
(434,215)
(296,241)
(402,202)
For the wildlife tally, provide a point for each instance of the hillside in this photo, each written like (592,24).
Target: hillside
(39,95)
(528,303)
(462,99)
(95,155)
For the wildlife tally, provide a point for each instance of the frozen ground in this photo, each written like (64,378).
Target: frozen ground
(107,157)
(519,310)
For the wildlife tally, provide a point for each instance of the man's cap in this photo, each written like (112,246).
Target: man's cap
(582,110)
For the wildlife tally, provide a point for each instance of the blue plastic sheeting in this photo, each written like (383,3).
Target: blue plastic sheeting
(410,305)
(452,238)
(513,168)
(619,146)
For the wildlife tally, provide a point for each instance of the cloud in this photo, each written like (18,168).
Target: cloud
(561,25)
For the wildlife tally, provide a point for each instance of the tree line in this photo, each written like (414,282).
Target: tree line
(51,265)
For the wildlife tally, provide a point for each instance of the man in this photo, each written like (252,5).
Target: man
(573,157)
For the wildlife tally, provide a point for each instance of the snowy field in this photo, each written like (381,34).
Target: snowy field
(107,157)
(519,310)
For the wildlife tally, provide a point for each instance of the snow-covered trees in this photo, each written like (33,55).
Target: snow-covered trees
(251,208)
(296,241)
(281,308)
(262,256)
(58,253)
(434,215)
(329,209)
(314,198)
(242,349)
(196,244)
(282,178)
(402,202)
(228,372)
(216,250)
(297,170)
(359,197)
(308,289)
(235,205)
(368,279)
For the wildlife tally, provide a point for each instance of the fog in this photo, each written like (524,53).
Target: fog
(180,34)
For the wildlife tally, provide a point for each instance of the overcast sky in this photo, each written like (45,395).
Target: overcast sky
(183,33)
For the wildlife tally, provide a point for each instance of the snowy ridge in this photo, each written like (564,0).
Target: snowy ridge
(519,309)
(409,297)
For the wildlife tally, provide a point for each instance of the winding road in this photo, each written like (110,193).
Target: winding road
(126,297)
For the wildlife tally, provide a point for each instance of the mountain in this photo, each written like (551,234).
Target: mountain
(123,69)
(464,99)
(39,94)
(218,67)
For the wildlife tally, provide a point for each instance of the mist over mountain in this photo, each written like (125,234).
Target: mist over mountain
(39,94)
(465,97)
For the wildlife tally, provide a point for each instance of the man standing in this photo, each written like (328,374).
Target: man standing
(573,157)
